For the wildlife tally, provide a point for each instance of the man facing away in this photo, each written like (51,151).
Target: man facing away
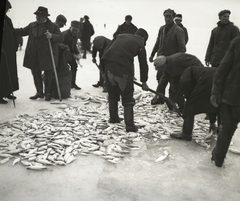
(119,72)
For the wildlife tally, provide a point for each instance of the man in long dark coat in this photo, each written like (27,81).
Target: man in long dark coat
(70,39)
(87,32)
(227,80)
(9,74)
(173,67)
(119,72)
(37,55)
(196,84)
(220,39)
(170,40)
(126,27)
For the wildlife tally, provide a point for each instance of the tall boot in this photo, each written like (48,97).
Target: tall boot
(74,85)
(113,111)
(129,119)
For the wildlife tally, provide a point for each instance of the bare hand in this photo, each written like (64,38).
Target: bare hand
(94,60)
(215,99)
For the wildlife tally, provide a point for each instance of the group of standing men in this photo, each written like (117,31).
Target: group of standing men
(189,80)
(43,36)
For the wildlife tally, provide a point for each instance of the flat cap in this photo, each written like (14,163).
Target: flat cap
(75,23)
(222,12)
(61,18)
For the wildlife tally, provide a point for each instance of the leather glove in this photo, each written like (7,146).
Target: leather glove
(213,128)
(151,59)
(145,86)
(94,60)
(215,99)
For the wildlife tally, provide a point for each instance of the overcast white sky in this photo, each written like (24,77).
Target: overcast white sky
(199,16)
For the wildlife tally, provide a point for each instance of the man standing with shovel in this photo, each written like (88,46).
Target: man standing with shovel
(38,55)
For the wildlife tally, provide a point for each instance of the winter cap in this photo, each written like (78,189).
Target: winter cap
(143,33)
(8,5)
(169,11)
(159,62)
(42,11)
(128,17)
(221,13)
(86,17)
(178,17)
(75,23)
(61,18)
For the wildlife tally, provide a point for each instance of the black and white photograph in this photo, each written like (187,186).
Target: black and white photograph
(120,100)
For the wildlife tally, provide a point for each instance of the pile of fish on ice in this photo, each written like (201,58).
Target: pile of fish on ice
(56,137)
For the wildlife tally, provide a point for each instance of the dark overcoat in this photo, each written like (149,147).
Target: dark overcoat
(124,28)
(37,53)
(196,83)
(87,32)
(219,42)
(10,46)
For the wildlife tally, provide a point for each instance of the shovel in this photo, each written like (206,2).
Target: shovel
(55,71)
(170,104)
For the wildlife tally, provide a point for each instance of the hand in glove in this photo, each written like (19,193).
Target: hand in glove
(215,99)
(145,86)
(213,128)
(151,59)
(94,60)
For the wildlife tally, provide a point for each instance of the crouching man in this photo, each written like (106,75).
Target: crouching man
(119,72)
(196,84)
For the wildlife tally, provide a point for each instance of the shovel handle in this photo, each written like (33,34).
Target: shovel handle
(169,103)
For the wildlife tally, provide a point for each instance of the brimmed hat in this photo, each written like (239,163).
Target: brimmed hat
(169,11)
(42,11)
(61,18)
(159,62)
(222,12)
(143,33)
(178,17)
(128,17)
(75,23)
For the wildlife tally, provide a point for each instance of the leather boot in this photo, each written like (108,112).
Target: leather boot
(218,161)
(47,97)
(186,133)
(113,111)
(37,95)
(129,119)
(73,83)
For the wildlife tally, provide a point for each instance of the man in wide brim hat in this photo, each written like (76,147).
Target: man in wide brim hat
(42,11)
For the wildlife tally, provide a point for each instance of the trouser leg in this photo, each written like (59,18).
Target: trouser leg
(49,81)
(227,128)
(188,125)
(113,112)
(37,78)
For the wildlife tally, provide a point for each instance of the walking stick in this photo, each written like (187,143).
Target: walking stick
(55,71)
(169,103)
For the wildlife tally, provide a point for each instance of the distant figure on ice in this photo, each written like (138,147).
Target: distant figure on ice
(61,21)
(8,68)
(119,73)
(126,27)
(220,39)
(37,55)
(87,32)
(70,39)
(170,40)
(99,45)
(178,21)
